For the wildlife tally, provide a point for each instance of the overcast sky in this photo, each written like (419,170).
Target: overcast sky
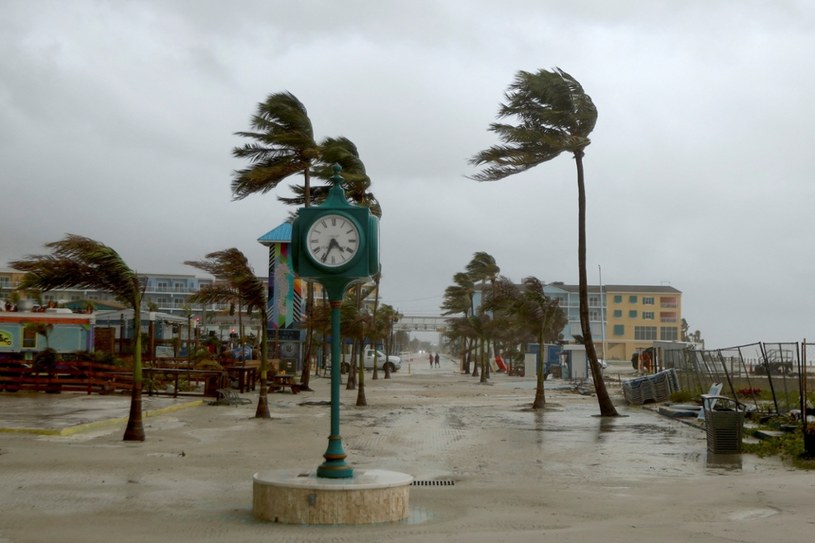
(117,121)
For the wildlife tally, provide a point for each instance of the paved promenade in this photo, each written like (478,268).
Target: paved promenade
(489,469)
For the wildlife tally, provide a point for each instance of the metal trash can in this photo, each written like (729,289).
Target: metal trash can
(724,427)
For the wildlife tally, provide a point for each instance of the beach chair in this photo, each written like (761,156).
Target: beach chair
(715,390)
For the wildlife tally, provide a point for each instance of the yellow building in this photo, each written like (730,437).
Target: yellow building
(624,318)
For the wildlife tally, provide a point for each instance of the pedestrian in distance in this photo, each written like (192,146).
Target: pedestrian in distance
(437,360)
(431,360)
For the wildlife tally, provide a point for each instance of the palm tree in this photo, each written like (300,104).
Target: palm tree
(283,145)
(545,317)
(80,262)
(241,283)
(483,268)
(554,115)
(458,298)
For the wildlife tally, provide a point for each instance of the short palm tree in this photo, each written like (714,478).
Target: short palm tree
(545,318)
(483,268)
(238,282)
(554,115)
(458,298)
(81,262)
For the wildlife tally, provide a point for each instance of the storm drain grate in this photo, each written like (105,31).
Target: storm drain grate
(433,483)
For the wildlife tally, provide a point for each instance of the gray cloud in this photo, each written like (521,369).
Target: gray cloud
(117,122)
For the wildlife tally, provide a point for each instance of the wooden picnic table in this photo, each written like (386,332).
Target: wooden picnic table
(279,382)
(245,374)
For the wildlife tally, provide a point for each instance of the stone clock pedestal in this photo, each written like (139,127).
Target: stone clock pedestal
(298,497)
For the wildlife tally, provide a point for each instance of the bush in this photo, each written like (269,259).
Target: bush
(46,360)
(681,396)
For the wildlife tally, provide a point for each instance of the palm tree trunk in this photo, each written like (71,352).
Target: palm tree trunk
(134,431)
(262,411)
(305,376)
(361,400)
(482,355)
(607,408)
(375,372)
(540,395)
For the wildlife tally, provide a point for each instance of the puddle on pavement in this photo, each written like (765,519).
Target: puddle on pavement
(418,515)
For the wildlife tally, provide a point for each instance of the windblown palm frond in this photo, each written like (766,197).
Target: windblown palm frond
(78,261)
(284,145)
(553,115)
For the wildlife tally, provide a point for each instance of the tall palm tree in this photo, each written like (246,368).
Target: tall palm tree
(80,262)
(554,115)
(239,282)
(283,145)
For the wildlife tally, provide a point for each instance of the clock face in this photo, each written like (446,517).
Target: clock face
(332,240)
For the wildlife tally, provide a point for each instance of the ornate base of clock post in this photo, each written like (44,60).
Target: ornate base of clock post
(334,466)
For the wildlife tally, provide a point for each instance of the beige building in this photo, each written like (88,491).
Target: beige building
(624,318)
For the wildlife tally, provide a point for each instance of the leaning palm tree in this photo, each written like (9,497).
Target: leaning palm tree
(554,115)
(80,262)
(238,281)
(283,145)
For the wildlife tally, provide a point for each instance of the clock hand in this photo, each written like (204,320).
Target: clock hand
(331,245)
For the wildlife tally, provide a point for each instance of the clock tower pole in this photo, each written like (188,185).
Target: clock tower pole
(310,245)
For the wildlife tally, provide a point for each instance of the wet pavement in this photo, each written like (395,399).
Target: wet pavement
(516,475)
(71,412)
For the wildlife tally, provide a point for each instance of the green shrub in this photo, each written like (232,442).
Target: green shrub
(681,396)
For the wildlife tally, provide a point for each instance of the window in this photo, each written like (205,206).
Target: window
(648,315)
(667,301)
(618,313)
(618,299)
(632,299)
(632,314)
(619,330)
(668,333)
(29,338)
(645,332)
(594,300)
(667,316)
(648,300)
(594,315)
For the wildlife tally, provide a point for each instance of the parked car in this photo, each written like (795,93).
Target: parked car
(393,362)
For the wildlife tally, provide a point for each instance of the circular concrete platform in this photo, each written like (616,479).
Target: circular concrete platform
(300,497)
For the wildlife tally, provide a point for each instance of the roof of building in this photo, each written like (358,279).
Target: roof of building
(280,234)
(619,288)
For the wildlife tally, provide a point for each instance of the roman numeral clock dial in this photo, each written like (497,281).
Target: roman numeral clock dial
(332,240)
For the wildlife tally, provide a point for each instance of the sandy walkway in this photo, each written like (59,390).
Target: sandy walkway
(519,476)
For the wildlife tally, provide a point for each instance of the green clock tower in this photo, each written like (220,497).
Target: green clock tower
(335,244)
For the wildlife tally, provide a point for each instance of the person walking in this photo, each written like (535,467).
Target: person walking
(437,360)
(431,360)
